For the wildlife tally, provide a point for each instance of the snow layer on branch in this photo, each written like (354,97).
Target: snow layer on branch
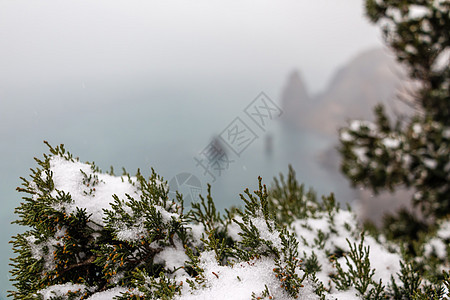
(67,177)
(446,131)
(172,257)
(341,229)
(350,294)
(385,263)
(356,125)
(360,153)
(166,216)
(438,245)
(137,230)
(266,233)
(444,230)
(60,290)
(418,11)
(346,136)
(442,61)
(234,229)
(430,163)
(417,128)
(391,142)
(37,250)
(131,234)
(439,4)
(109,294)
(239,281)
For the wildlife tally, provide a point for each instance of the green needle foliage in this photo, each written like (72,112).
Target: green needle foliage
(414,152)
(145,246)
(359,273)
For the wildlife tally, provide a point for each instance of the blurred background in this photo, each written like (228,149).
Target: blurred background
(141,84)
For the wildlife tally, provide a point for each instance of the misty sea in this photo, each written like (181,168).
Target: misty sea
(145,129)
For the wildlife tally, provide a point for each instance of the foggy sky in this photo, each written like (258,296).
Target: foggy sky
(177,42)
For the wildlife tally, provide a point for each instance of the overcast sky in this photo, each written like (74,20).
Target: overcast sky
(179,42)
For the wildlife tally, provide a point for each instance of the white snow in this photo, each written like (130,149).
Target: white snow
(430,163)
(446,133)
(439,3)
(108,294)
(426,27)
(172,257)
(407,159)
(391,142)
(442,61)
(37,250)
(239,281)
(360,153)
(418,11)
(417,128)
(137,231)
(394,13)
(384,262)
(350,294)
(165,215)
(60,290)
(344,227)
(444,230)
(346,136)
(437,246)
(234,229)
(356,125)
(131,234)
(265,233)
(411,49)
(67,177)
(60,232)
(197,232)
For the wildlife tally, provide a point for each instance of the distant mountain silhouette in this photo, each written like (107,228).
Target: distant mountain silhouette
(370,78)
(295,98)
